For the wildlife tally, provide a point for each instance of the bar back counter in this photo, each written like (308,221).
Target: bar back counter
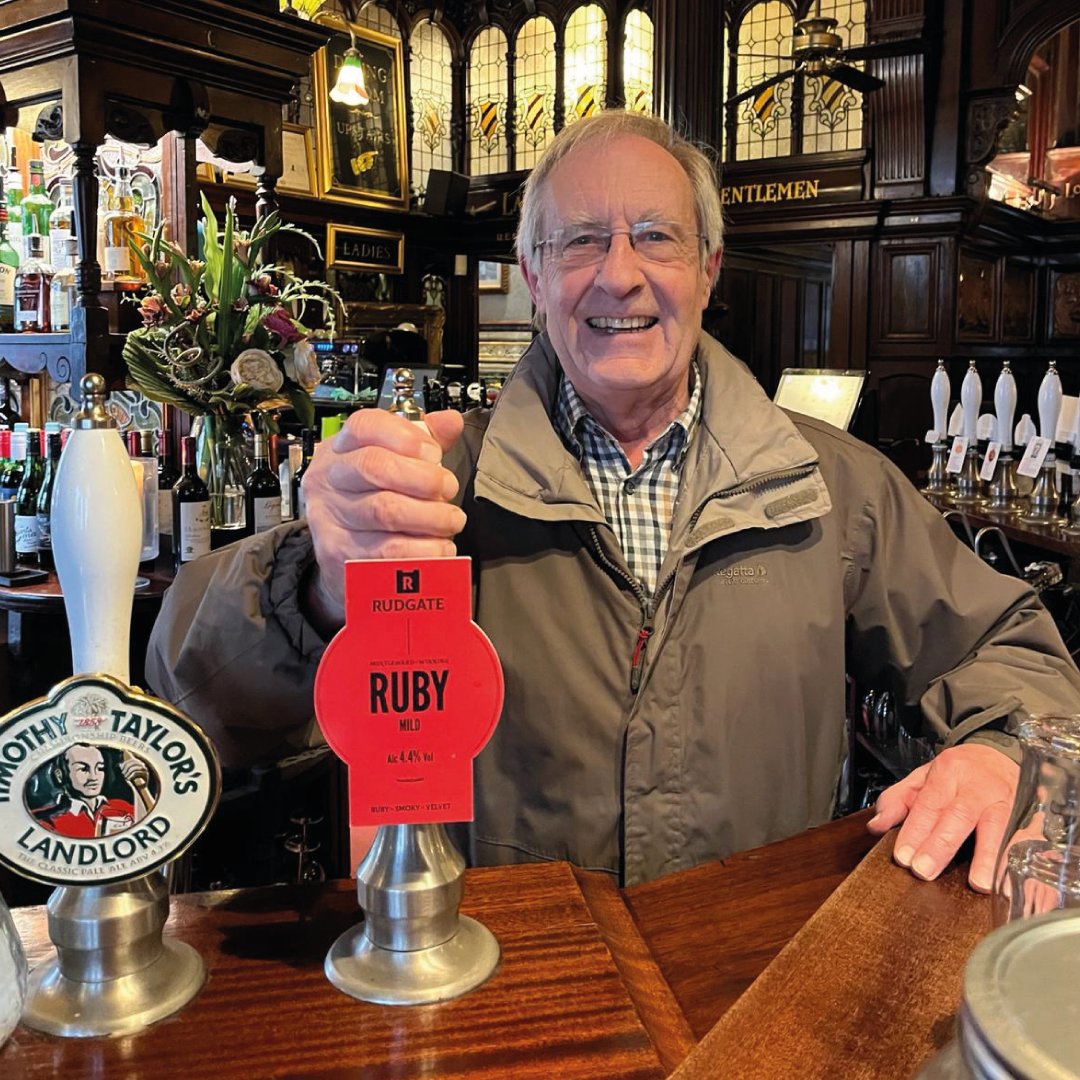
(802,958)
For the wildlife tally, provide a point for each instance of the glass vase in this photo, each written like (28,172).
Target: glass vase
(1038,867)
(223,464)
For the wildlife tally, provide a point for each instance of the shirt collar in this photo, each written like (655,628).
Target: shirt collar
(571,415)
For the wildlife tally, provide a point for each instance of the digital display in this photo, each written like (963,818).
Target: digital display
(826,394)
(323,346)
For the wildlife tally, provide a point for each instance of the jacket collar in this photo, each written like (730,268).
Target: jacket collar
(744,441)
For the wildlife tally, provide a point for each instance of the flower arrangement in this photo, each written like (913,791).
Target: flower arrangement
(223,337)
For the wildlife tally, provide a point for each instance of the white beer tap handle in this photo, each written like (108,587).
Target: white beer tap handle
(971,399)
(940,392)
(1005,407)
(96,537)
(1049,402)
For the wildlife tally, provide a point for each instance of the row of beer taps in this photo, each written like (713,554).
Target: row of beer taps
(990,478)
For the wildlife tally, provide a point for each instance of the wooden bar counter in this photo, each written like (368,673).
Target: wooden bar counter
(855,971)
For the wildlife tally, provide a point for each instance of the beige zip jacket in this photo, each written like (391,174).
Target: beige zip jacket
(642,736)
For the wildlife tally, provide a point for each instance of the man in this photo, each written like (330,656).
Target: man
(667,564)
(84,810)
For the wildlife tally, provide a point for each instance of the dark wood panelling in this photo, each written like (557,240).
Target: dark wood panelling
(1064,307)
(976,298)
(1018,302)
(906,278)
(900,129)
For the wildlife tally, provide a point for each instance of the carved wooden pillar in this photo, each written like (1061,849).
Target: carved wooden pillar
(265,195)
(459,114)
(987,115)
(689,62)
(89,320)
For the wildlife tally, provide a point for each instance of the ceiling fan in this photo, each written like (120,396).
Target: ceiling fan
(818,50)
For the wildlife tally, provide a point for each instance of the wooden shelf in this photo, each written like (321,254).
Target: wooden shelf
(57,354)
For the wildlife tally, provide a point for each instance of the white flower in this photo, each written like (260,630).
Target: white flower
(256,368)
(301,365)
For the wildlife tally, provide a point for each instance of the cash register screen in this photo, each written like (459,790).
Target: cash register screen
(823,393)
(386,393)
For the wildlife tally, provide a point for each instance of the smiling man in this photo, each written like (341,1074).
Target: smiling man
(676,573)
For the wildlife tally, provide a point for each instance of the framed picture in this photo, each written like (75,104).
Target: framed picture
(493,276)
(297,160)
(362,153)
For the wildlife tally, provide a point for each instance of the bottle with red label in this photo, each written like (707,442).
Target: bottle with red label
(33,284)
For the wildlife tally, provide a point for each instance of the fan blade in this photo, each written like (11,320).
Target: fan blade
(755,90)
(856,79)
(884,49)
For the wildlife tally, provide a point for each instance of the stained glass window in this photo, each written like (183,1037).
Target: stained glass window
(376,17)
(432,94)
(764,121)
(585,63)
(638,62)
(487,103)
(534,90)
(833,112)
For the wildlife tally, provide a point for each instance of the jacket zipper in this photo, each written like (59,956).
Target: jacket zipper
(779,477)
(648,608)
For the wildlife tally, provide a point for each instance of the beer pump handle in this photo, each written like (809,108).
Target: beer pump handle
(1049,402)
(971,399)
(1005,407)
(940,392)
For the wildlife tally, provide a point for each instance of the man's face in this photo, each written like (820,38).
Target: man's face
(87,769)
(618,184)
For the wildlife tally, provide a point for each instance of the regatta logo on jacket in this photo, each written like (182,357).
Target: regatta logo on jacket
(744,575)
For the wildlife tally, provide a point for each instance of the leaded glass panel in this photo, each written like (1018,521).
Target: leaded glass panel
(376,17)
(833,112)
(638,62)
(432,95)
(763,127)
(585,63)
(534,90)
(487,103)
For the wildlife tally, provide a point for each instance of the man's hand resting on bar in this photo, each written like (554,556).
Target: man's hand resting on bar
(377,490)
(965,788)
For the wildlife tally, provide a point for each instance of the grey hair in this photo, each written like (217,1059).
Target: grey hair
(607,126)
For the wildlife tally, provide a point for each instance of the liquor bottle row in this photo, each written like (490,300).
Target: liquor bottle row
(39,251)
(176,504)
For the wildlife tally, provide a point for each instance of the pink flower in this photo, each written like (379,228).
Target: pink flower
(153,310)
(262,286)
(280,322)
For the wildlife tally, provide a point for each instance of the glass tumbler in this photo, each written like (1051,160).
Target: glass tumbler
(12,974)
(1038,866)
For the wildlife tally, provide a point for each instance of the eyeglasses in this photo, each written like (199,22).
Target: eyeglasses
(654,241)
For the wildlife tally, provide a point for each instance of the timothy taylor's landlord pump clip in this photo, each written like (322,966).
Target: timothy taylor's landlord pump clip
(407,694)
(100,787)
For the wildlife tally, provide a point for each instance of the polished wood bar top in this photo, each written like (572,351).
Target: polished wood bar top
(593,982)
(1046,537)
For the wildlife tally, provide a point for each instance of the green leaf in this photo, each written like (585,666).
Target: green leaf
(303,405)
(211,249)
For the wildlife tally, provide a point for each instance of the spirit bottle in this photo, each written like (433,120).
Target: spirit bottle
(262,492)
(121,224)
(36,209)
(32,287)
(44,502)
(191,509)
(62,290)
(26,520)
(145,467)
(9,267)
(307,438)
(13,185)
(60,231)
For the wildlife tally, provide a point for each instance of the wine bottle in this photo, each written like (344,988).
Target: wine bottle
(9,268)
(262,492)
(167,476)
(13,474)
(44,501)
(190,509)
(26,521)
(307,437)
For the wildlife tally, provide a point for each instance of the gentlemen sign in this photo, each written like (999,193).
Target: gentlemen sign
(352,248)
(99,783)
(836,185)
(409,691)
